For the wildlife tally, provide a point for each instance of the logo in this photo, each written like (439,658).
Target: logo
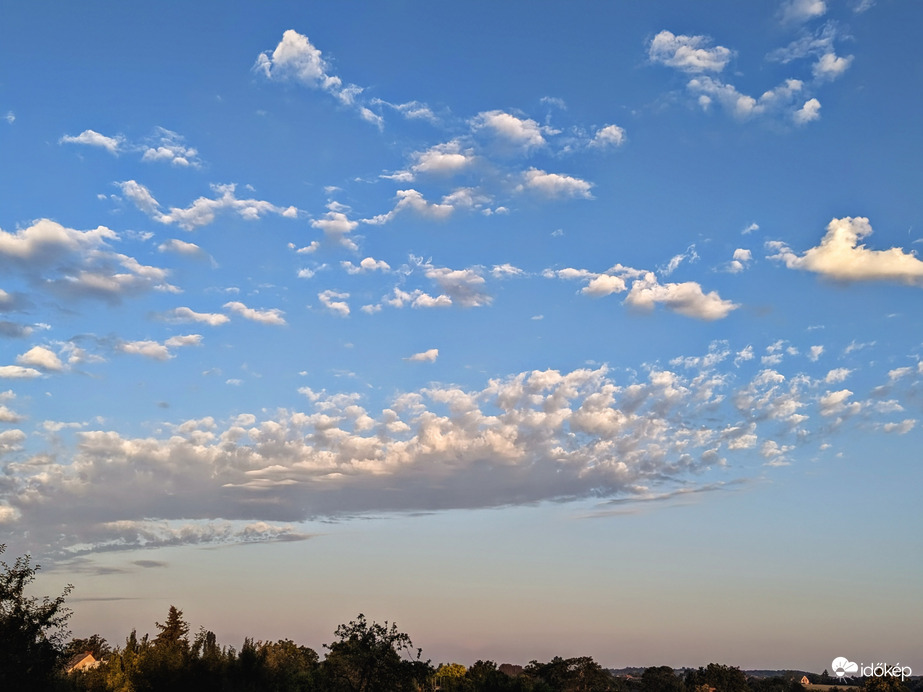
(843,666)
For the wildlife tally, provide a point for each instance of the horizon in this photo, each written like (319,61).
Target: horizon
(514,324)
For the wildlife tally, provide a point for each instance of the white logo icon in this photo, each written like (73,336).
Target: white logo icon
(842,666)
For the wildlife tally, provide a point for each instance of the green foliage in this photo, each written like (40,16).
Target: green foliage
(32,630)
(581,674)
(661,679)
(372,657)
(884,683)
(93,644)
(722,678)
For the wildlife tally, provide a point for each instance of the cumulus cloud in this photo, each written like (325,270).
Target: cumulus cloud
(414,201)
(520,133)
(647,292)
(159,350)
(203,210)
(554,185)
(841,256)
(740,260)
(95,139)
(335,301)
(780,99)
(77,264)
(608,136)
(428,356)
(830,66)
(18,372)
(336,227)
(170,147)
(272,316)
(443,159)
(184,314)
(798,11)
(369,264)
(686,298)
(296,59)
(41,357)
(464,286)
(692,54)
(809,112)
(837,403)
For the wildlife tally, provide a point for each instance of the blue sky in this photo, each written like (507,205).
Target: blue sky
(575,329)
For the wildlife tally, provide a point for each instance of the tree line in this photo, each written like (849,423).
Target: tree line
(364,656)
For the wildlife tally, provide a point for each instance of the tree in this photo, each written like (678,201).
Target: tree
(32,631)
(372,657)
(661,679)
(94,644)
(173,632)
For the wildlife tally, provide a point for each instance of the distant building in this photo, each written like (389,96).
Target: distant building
(804,680)
(84,661)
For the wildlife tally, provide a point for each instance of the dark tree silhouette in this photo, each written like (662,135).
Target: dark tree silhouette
(32,630)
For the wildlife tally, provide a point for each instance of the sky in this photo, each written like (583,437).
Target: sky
(536,328)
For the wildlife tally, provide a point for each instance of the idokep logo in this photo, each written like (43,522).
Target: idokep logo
(843,666)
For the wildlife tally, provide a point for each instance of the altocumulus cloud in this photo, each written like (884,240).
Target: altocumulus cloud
(533,436)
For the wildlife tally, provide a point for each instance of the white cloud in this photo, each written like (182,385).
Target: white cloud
(830,66)
(692,54)
(798,11)
(529,437)
(901,428)
(815,353)
(506,270)
(809,112)
(170,147)
(77,264)
(156,350)
(414,201)
(685,298)
(10,117)
(604,285)
(412,110)
(841,257)
(369,264)
(428,356)
(741,259)
(837,403)
(42,358)
(95,139)
(7,415)
(463,286)
(335,301)
(17,372)
(268,316)
(181,247)
(336,227)
(608,136)
(555,185)
(837,375)
(743,107)
(184,314)
(295,58)
(521,133)
(443,159)
(203,210)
